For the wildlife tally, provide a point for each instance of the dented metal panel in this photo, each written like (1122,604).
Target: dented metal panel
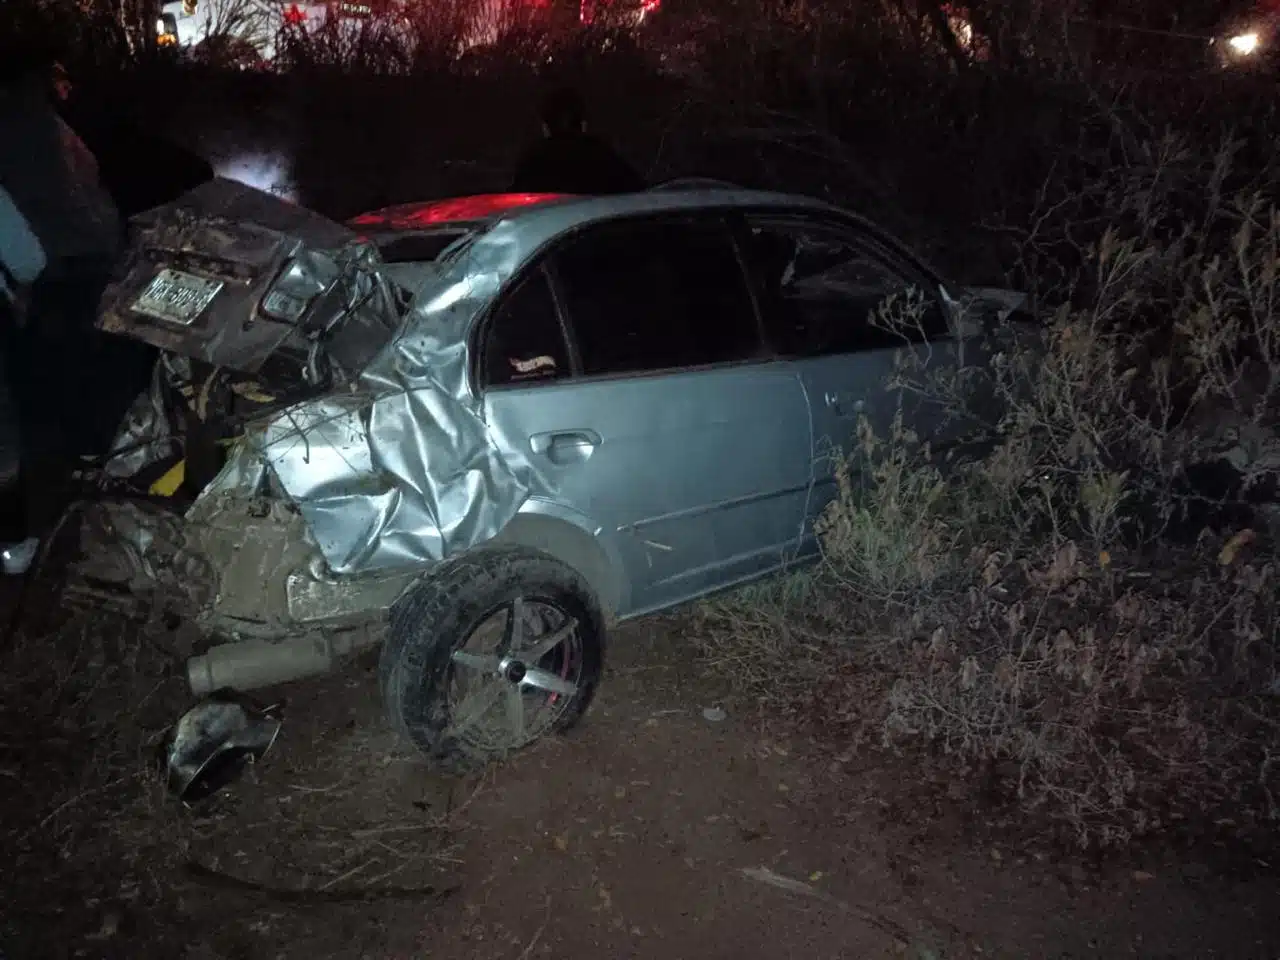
(247,251)
(404,473)
(394,469)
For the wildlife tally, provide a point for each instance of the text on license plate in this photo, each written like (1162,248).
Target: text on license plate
(176,297)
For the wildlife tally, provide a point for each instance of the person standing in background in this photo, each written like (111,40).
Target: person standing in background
(137,166)
(570,159)
(53,184)
(140,169)
(22,261)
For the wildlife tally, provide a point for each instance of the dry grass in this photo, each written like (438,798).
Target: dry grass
(340,813)
(1075,614)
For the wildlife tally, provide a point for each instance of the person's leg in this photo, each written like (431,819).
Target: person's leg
(18,545)
(101,374)
(43,374)
(12,523)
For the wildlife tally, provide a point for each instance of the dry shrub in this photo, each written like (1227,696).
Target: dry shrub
(1086,613)
(475,37)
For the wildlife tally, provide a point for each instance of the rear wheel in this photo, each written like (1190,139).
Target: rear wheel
(491,652)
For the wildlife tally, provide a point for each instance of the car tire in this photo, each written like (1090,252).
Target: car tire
(431,624)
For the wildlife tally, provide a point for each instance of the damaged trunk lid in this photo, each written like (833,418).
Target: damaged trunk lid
(236,280)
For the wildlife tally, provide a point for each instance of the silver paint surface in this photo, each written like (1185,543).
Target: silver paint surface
(683,482)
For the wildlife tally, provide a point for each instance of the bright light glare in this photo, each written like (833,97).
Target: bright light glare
(265,170)
(963,31)
(1244,43)
(161,28)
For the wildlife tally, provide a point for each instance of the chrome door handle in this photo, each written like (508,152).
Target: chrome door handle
(565,446)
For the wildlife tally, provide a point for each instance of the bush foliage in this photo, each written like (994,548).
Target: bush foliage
(1087,612)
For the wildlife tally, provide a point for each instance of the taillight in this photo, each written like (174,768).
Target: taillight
(284,307)
(291,295)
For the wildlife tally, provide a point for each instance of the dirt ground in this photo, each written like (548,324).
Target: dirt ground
(651,831)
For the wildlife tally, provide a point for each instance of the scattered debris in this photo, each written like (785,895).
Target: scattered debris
(1233,547)
(714,714)
(207,876)
(800,888)
(767,876)
(210,745)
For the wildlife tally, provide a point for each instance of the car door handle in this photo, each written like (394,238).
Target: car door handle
(565,446)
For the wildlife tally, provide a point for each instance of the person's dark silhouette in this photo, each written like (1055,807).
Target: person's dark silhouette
(138,167)
(53,365)
(569,159)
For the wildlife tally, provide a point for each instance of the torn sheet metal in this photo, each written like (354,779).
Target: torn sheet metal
(393,467)
(253,542)
(269,282)
(212,742)
(146,433)
(405,472)
(139,549)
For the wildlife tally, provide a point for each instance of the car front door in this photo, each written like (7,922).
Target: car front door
(822,284)
(662,424)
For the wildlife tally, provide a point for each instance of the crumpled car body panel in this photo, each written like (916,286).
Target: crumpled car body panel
(389,459)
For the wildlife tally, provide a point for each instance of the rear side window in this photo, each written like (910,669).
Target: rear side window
(822,288)
(654,295)
(525,341)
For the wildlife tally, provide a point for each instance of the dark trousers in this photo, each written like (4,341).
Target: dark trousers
(70,386)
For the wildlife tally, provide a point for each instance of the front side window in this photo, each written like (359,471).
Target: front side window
(825,291)
(524,341)
(655,295)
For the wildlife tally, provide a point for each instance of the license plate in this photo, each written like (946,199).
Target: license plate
(176,297)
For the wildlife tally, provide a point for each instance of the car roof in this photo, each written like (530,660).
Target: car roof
(524,222)
(451,212)
(558,212)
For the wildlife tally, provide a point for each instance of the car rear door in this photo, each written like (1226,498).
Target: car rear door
(821,281)
(661,424)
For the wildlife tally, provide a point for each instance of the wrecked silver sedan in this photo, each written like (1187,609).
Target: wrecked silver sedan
(477,431)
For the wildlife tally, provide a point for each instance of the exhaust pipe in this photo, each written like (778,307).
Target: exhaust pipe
(254,663)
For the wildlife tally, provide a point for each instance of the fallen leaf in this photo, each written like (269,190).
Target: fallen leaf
(562,842)
(815,876)
(1234,546)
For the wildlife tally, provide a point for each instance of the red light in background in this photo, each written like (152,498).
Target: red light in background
(587,8)
(294,16)
(434,212)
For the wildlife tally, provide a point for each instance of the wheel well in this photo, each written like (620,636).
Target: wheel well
(572,546)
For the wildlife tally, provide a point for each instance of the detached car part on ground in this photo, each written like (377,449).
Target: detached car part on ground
(506,420)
